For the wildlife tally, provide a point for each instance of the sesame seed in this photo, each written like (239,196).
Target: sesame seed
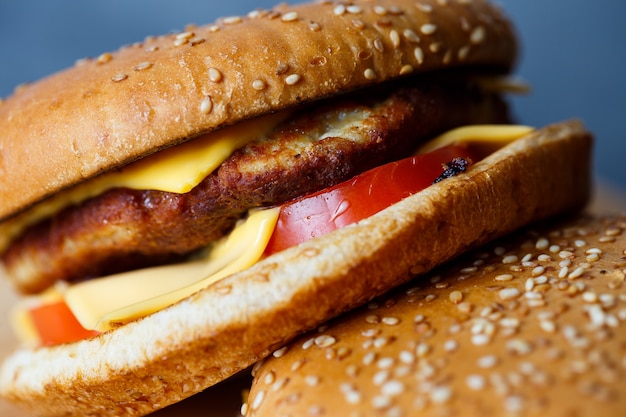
(379,402)
(419,55)
(206,106)
(380,47)
(509,322)
(577,273)
(422,350)
(486,362)
(406,357)
(428,28)
(463,53)
(480,339)
(292,79)
(395,38)
(215,75)
(380,10)
(385,363)
(406,69)
(478,35)
(270,378)
(538,271)
(358,24)
(325,341)
(369,358)
(547,326)
(509,293)
(504,277)
(315,27)
(340,10)
(369,74)
(430,297)
(509,259)
(104,58)
(590,297)
(196,41)
(280,352)
(514,403)
(259,85)
(392,388)
(456,297)
(391,321)
(142,66)
(441,394)
(475,382)
(613,231)
(518,346)
(451,345)
(353,9)
(380,377)
(232,20)
(119,77)
(258,400)
(185,35)
(369,333)
(289,17)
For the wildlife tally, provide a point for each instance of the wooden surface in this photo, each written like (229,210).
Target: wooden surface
(224,400)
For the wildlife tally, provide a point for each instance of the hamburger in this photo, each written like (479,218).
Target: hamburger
(184,206)
(532,324)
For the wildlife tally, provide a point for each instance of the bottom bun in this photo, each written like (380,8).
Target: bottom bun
(533,325)
(145,365)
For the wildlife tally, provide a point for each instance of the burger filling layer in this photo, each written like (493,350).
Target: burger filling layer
(72,312)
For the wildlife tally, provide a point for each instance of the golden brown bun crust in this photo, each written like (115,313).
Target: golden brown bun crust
(111,110)
(531,326)
(181,350)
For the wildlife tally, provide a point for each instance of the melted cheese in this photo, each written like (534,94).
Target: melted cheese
(104,303)
(177,170)
(492,136)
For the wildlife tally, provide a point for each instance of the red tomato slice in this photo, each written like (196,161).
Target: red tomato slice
(360,197)
(55,323)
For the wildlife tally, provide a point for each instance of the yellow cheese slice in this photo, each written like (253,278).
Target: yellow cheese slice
(177,170)
(494,136)
(104,303)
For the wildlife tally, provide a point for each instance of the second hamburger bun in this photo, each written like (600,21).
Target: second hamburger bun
(179,351)
(532,325)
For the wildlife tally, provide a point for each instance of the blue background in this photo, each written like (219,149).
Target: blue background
(573,53)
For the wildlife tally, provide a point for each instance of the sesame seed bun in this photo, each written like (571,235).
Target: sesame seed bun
(532,325)
(108,111)
(177,352)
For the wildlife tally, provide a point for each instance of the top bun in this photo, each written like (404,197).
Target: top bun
(108,111)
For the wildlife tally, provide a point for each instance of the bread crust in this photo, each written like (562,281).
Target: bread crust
(108,111)
(531,325)
(181,350)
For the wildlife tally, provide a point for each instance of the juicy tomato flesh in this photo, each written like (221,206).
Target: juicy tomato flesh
(55,324)
(360,197)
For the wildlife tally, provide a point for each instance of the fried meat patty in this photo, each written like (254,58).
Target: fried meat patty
(319,146)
